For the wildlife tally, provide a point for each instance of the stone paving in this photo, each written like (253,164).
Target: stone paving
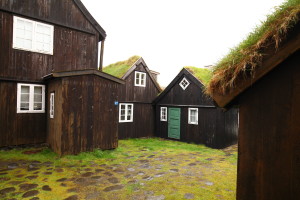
(136,178)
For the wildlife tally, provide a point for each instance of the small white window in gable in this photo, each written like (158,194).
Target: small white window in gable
(51,110)
(163,114)
(125,112)
(140,79)
(32,36)
(184,83)
(193,116)
(30,98)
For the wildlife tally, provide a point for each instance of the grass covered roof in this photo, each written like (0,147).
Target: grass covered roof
(202,74)
(247,56)
(120,68)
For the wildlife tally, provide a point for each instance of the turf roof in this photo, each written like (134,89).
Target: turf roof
(201,74)
(120,68)
(247,56)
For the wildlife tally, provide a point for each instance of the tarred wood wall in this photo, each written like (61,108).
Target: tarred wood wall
(73,50)
(143,114)
(216,128)
(18,128)
(269,136)
(85,115)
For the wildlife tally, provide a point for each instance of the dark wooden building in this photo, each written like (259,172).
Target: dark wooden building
(185,113)
(269,131)
(40,38)
(136,112)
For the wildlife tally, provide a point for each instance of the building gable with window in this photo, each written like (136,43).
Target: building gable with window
(184,112)
(40,38)
(136,112)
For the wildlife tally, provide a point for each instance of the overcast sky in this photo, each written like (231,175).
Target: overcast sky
(171,34)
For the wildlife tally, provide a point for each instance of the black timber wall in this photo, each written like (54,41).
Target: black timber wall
(269,135)
(216,128)
(143,113)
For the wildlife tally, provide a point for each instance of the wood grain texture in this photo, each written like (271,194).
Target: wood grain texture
(268,165)
(143,114)
(86,114)
(216,128)
(17,129)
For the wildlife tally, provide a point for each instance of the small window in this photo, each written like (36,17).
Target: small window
(140,79)
(51,105)
(32,36)
(125,112)
(163,114)
(193,115)
(30,98)
(184,83)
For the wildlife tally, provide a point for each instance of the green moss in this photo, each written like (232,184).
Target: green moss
(202,74)
(216,166)
(249,51)
(119,69)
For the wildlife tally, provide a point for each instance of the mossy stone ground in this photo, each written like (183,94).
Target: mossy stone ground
(139,169)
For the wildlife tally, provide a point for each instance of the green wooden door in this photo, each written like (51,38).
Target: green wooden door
(174,123)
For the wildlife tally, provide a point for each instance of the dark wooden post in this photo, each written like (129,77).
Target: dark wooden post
(101,55)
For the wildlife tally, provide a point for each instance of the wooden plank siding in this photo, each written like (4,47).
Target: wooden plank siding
(269,135)
(216,128)
(17,129)
(73,50)
(131,93)
(142,125)
(59,12)
(142,97)
(85,114)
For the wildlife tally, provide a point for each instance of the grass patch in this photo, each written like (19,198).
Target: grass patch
(243,59)
(45,155)
(120,68)
(206,173)
(204,75)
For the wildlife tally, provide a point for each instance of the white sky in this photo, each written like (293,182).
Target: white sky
(171,34)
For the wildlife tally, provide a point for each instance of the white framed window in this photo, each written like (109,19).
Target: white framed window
(193,116)
(125,112)
(51,110)
(140,79)
(184,83)
(163,114)
(30,98)
(32,36)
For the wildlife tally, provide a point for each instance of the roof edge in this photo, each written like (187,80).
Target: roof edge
(182,72)
(271,59)
(90,18)
(133,67)
(96,72)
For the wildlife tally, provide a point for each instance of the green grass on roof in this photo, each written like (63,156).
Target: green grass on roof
(120,68)
(202,74)
(248,54)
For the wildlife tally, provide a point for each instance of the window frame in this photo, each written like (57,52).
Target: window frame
(196,116)
(182,86)
(139,84)
(52,104)
(126,112)
(164,117)
(34,38)
(31,98)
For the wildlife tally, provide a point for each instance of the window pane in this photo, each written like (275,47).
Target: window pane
(122,118)
(24,106)
(37,95)
(37,106)
(25,98)
(25,89)
(193,119)
(122,112)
